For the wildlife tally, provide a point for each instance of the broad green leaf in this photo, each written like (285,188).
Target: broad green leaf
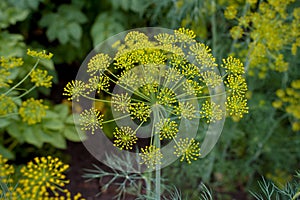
(51,33)
(15,131)
(53,124)
(72,13)
(62,110)
(44,137)
(48,64)
(4,122)
(106,25)
(11,44)
(74,30)
(32,137)
(56,139)
(72,134)
(48,19)
(69,119)
(62,36)
(51,115)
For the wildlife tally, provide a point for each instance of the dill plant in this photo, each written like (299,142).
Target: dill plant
(42,178)
(23,117)
(156,87)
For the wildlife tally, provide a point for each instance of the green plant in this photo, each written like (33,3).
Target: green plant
(160,83)
(25,119)
(42,178)
(270,190)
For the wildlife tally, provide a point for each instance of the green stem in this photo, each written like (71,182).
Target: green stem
(115,119)
(296,196)
(157,145)
(204,97)
(14,87)
(13,145)
(147,179)
(28,91)
(94,99)
(213,29)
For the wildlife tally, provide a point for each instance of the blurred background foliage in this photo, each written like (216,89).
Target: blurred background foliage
(265,34)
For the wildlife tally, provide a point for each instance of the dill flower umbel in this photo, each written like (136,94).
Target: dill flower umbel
(40,177)
(151,156)
(6,171)
(140,111)
(188,149)
(289,101)
(98,83)
(7,105)
(166,129)
(185,110)
(236,106)
(41,78)
(32,111)
(12,62)
(236,84)
(75,89)
(6,64)
(125,137)
(40,54)
(211,111)
(270,33)
(121,102)
(233,65)
(98,64)
(155,85)
(91,120)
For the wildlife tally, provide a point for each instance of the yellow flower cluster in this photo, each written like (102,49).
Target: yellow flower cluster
(41,78)
(203,55)
(271,29)
(236,104)
(140,111)
(230,12)
(211,111)
(7,105)
(125,137)
(185,35)
(151,156)
(289,101)
(32,111)
(166,96)
(42,178)
(91,120)
(98,83)
(6,64)
(188,149)
(75,89)
(40,54)
(98,64)
(12,62)
(211,79)
(166,129)
(185,110)
(163,77)
(6,172)
(121,102)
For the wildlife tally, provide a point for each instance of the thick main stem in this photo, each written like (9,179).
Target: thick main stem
(155,110)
